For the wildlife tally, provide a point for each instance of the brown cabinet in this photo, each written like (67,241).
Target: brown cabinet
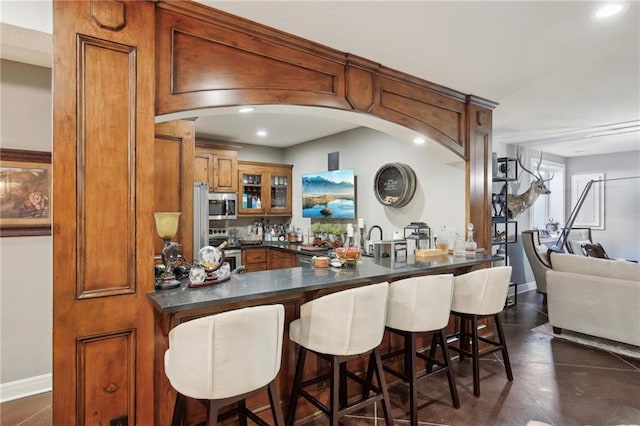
(216,165)
(265,189)
(281,259)
(255,259)
(265,258)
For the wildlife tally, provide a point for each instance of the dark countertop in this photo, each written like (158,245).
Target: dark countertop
(259,285)
(286,246)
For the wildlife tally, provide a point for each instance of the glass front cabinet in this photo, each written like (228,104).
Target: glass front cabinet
(265,189)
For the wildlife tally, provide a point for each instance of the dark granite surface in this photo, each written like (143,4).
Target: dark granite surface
(259,285)
(291,248)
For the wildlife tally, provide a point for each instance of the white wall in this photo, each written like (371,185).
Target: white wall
(26,262)
(439,197)
(263,154)
(621,234)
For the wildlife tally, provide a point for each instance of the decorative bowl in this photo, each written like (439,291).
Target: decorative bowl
(348,253)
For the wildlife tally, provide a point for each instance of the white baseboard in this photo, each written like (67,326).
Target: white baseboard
(25,387)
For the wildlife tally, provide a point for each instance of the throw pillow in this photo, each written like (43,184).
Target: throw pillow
(575,246)
(595,250)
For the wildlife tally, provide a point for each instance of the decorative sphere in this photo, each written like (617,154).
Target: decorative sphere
(210,257)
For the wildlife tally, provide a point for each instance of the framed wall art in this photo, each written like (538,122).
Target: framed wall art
(25,192)
(591,214)
(329,195)
(394,184)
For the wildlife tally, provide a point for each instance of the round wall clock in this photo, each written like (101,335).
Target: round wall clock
(394,184)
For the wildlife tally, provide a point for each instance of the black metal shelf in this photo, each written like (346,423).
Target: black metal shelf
(505,169)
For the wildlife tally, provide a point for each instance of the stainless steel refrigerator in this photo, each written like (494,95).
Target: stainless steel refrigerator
(200,216)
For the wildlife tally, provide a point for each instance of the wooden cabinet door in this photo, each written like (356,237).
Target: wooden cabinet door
(252,182)
(268,183)
(289,260)
(225,171)
(274,259)
(202,167)
(218,166)
(281,259)
(279,191)
(255,259)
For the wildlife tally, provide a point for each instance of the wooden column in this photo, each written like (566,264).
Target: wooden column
(173,179)
(103,122)
(478,169)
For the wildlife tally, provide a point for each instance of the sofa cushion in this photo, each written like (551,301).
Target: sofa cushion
(542,250)
(595,250)
(619,269)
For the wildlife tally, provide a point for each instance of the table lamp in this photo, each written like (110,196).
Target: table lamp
(167,227)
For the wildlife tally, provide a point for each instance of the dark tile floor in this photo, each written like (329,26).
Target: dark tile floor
(555,381)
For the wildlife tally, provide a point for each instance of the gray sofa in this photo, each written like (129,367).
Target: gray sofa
(598,297)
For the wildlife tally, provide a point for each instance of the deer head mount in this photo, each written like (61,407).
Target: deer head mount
(518,203)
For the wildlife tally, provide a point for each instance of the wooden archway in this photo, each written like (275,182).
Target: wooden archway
(117,65)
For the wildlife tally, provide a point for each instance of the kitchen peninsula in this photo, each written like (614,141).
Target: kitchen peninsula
(129,78)
(291,287)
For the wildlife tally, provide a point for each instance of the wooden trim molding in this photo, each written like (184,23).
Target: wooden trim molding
(106,215)
(207,58)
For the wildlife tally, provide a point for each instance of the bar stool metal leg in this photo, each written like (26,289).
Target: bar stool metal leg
(178,410)
(453,390)
(386,405)
(503,344)
(335,381)
(295,390)
(412,375)
(273,400)
(475,357)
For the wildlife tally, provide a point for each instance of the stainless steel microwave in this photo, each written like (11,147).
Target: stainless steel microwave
(223,205)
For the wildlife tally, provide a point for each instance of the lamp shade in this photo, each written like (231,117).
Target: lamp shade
(167,224)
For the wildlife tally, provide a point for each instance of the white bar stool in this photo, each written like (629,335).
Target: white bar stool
(225,358)
(338,327)
(414,306)
(480,294)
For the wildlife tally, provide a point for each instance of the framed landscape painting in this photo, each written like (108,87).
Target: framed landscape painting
(329,195)
(25,192)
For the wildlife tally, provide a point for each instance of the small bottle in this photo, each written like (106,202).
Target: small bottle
(470,245)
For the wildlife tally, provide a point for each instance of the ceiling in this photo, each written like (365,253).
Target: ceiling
(566,83)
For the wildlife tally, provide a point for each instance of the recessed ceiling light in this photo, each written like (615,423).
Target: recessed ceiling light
(419,141)
(610,9)
(261,133)
(244,110)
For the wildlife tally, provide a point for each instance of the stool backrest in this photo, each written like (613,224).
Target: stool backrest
(347,322)
(420,303)
(226,354)
(481,292)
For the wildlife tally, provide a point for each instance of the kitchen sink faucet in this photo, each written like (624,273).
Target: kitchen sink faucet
(369,243)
